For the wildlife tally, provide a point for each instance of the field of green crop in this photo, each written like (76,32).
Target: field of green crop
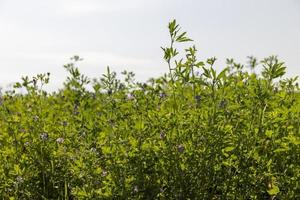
(192,134)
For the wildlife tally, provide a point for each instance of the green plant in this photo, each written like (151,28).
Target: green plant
(193,133)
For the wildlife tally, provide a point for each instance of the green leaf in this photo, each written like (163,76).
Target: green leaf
(206,73)
(17,169)
(228,149)
(222,74)
(182,38)
(273,191)
(269,133)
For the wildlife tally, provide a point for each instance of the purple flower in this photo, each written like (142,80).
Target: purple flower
(162,95)
(82,134)
(135,189)
(130,96)
(180,148)
(60,140)
(94,150)
(162,135)
(223,104)
(65,123)
(44,136)
(198,97)
(104,173)
(35,118)
(19,180)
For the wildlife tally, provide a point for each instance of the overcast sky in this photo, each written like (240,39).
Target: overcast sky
(39,36)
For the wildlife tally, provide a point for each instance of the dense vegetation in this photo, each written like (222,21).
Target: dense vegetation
(191,134)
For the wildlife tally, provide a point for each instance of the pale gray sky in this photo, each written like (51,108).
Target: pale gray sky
(41,35)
